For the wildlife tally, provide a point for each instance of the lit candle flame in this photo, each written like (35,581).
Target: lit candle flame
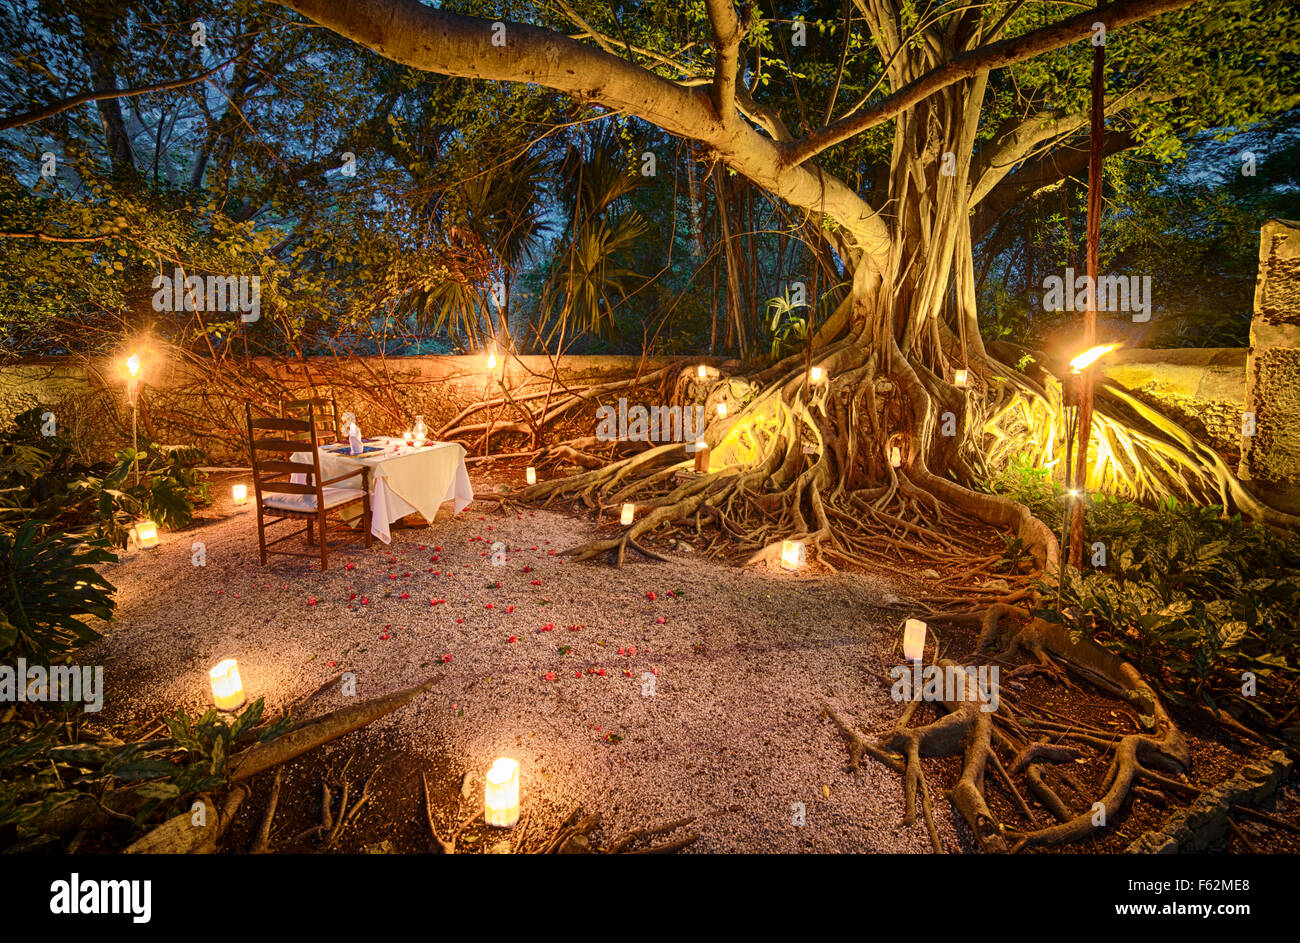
(227,688)
(914,640)
(1090,356)
(133,365)
(501,793)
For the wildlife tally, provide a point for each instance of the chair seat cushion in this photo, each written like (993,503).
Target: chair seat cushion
(307,502)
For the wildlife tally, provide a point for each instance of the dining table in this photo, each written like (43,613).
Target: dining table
(405,478)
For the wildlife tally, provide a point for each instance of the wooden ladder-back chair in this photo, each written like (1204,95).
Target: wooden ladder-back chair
(273,441)
(325,413)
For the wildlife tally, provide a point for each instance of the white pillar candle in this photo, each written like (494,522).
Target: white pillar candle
(240,494)
(501,794)
(793,554)
(896,457)
(815,374)
(530,475)
(703,372)
(913,639)
(722,410)
(227,689)
(701,456)
(146,534)
(629,510)
(960,378)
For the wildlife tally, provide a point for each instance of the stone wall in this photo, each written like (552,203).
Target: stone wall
(181,405)
(1203,388)
(1271,455)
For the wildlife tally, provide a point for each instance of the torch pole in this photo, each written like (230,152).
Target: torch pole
(133,394)
(1096,157)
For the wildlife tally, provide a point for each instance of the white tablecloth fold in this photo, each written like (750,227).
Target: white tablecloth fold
(404,480)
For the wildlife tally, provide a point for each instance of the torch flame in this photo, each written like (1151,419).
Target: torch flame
(1090,356)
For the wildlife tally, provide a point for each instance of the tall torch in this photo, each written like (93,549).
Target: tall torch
(1078,393)
(133,397)
(1096,157)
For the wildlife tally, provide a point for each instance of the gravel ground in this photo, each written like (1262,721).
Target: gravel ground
(729,730)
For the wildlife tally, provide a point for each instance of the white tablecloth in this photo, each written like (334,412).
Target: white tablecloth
(404,479)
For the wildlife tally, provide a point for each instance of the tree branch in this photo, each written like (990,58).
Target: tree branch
(1016,141)
(1033,175)
(968,64)
(54,108)
(727,34)
(435,40)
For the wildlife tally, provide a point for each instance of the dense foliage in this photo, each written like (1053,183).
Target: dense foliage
(59,519)
(384,208)
(48,763)
(1198,601)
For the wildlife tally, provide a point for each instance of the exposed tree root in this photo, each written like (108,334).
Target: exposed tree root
(844,466)
(575,835)
(262,843)
(192,832)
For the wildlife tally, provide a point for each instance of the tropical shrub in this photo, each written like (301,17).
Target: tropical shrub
(1203,603)
(48,762)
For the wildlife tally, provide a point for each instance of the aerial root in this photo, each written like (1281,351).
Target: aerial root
(262,843)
